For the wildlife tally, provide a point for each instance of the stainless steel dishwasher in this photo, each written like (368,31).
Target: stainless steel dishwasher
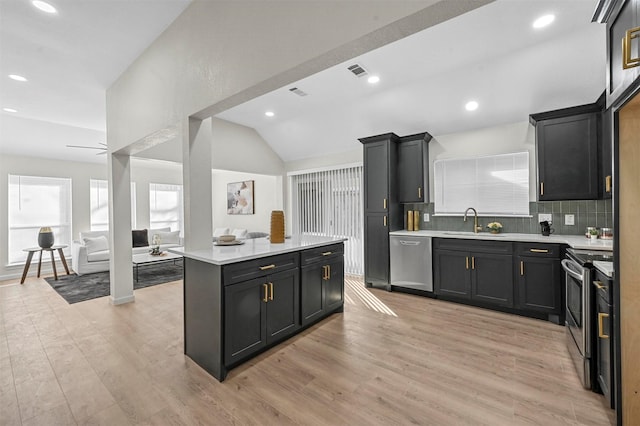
(411,262)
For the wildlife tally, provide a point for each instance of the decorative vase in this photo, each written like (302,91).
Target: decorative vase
(416,220)
(277,227)
(410,220)
(45,237)
(494,231)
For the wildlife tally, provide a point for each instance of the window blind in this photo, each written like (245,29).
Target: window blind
(495,185)
(329,203)
(165,206)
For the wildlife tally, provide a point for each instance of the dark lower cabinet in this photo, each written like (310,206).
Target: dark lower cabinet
(323,289)
(475,270)
(539,285)
(259,312)
(376,249)
(604,336)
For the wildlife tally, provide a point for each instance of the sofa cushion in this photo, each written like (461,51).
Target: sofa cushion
(240,234)
(94,234)
(98,256)
(140,237)
(168,237)
(96,244)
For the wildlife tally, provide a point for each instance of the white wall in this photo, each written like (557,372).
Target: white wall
(266,189)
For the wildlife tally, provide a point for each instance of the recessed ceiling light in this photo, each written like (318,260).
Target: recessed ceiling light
(373,79)
(17,77)
(270,113)
(471,106)
(543,21)
(44,6)
(9,110)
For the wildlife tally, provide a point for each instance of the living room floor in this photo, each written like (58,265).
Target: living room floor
(390,358)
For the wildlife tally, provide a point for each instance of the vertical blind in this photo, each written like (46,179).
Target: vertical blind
(495,185)
(329,203)
(34,202)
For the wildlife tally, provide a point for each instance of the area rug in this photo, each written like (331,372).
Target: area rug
(74,288)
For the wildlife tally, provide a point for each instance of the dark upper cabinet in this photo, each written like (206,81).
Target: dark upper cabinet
(413,168)
(539,285)
(621,17)
(567,144)
(606,155)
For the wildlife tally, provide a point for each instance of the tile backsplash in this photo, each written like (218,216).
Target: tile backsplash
(586,213)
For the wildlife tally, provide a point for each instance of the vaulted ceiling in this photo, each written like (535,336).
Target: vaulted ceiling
(491,55)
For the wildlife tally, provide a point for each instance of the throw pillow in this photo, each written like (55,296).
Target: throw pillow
(169,237)
(220,231)
(140,238)
(240,234)
(96,244)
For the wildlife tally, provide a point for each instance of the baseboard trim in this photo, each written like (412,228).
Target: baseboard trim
(122,300)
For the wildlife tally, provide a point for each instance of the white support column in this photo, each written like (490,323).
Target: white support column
(196,180)
(120,266)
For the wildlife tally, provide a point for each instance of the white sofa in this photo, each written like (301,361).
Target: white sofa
(91,253)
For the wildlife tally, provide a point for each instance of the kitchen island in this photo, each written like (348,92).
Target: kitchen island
(241,299)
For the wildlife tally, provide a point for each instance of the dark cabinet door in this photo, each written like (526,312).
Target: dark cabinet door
(334,284)
(376,250)
(311,293)
(539,284)
(604,346)
(282,305)
(245,318)
(451,274)
(412,169)
(619,78)
(492,278)
(606,155)
(376,176)
(567,156)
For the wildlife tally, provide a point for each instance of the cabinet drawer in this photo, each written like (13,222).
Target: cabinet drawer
(318,254)
(484,246)
(539,250)
(251,269)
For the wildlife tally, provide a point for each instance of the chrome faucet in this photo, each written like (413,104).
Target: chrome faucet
(476,228)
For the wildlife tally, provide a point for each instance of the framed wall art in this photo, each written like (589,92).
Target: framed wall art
(240,197)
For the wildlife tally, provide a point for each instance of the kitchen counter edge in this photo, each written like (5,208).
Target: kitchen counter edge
(574,241)
(254,249)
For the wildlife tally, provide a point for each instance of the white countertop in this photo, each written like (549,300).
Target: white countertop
(253,248)
(604,267)
(575,241)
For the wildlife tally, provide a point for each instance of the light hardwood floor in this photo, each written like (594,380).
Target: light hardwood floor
(390,358)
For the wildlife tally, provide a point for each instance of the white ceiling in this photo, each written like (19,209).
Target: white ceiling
(492,55)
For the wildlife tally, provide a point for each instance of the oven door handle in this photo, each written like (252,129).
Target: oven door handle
(568,266)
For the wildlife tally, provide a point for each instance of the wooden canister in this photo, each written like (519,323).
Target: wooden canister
(277,227)
(416,220)
(410,220)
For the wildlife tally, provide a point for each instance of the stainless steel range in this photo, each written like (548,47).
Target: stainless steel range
(578,266)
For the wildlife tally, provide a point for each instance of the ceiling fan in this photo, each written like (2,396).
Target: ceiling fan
(102,149)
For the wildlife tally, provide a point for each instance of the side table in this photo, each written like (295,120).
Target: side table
(51,250)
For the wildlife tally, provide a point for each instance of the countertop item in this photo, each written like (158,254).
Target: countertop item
(604,267)
(575,241)
(254,248)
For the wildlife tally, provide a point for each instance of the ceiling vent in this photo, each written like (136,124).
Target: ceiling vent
(298,91)
(357,70)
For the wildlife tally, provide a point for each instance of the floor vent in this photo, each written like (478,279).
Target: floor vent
(298,91)
(357,70)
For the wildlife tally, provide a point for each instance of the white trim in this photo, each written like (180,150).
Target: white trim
(122,300)
(324,169)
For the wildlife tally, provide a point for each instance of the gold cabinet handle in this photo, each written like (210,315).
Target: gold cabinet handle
(327,253)
(607,184)
(522,268)
(541,188)
(384,220)
(473,262)
(384,203)
(419,192)
(266,291)
(264,268)
(466,262)
(599,285)
(270,291)
(324,272)
(539,251)
(627,60)
(601,316)
(328,272)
